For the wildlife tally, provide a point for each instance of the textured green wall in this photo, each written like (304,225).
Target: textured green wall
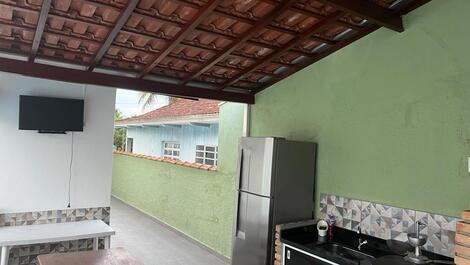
(199,203)
(391,113)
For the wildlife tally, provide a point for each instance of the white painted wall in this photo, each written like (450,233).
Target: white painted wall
(34,168)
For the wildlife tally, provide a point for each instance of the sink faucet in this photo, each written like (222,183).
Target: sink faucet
(361,242)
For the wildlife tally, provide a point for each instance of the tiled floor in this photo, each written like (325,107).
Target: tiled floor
(153,243)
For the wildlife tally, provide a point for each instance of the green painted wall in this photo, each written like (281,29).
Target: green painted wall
(199,203)
(391,113)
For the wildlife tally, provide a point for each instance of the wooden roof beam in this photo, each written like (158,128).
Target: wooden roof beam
(370,11)
(291,44)
(143,49)
(100,79)
(59,59)
(46,6)
(20,8)
(131,31)
(182,34)
(122,20)
(284,30)
(279,9)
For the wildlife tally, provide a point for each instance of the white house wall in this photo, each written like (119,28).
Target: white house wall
(149,140)
(35,167)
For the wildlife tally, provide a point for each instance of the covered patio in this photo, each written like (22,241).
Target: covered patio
(354,113)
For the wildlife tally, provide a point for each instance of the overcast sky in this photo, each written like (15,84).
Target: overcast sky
(127,101)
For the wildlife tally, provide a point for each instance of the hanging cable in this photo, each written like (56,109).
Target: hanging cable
(84,99)
(70,172)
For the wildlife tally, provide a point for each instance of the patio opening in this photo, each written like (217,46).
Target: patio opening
(174,162)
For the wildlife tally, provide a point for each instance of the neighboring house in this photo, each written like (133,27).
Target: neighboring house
(185,130)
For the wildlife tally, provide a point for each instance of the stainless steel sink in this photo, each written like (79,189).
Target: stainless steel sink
(346,253)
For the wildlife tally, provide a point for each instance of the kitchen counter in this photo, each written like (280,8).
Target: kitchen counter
(306,239)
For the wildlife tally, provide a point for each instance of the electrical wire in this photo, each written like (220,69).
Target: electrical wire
(71,153)
(70,172)
(85,88)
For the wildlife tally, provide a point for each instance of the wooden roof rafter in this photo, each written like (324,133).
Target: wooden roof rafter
(309,61)
(46,6)
(294,42)
(123,17)
(181,35)
(245,37)
(224,46)
(358,35)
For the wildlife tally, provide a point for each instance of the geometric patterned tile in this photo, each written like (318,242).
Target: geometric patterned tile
(441,233)
(403,223)
(390,222)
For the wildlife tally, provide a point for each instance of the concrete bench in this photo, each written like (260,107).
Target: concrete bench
(37,234)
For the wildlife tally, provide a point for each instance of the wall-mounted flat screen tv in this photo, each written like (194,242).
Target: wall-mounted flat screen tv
(51,115)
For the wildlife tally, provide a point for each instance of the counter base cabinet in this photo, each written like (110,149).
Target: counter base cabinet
(294,256)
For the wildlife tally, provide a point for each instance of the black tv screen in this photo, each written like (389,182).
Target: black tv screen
(46,114)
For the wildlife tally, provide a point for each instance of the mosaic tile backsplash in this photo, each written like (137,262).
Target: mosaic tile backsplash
(389,222)
(27,254)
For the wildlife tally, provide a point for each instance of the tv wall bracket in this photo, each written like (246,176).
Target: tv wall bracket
(52,132)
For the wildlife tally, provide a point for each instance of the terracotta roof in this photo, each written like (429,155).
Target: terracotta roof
(179,108)
(169,160)
(218,49)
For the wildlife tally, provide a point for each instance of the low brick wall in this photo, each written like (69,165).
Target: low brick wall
(169,160)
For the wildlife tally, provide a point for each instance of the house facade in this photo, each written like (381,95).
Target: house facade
(184,130)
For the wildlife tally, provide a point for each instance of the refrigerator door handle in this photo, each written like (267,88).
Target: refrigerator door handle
(244,171)
(240,169)
(238,233)
(241,214)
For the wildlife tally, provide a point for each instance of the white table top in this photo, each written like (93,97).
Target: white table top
(36,234)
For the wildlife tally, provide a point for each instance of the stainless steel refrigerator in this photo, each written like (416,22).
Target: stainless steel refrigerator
(275,184)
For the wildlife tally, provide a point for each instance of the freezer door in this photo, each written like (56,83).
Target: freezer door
(252,239)
(255,165)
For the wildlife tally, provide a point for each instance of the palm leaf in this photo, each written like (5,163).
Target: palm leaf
(146,99)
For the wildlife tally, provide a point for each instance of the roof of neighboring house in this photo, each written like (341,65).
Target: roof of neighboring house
(178,109)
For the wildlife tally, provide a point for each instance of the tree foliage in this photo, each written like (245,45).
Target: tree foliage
(119,133)
(147,99)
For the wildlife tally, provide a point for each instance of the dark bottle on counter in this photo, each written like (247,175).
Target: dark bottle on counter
(331,225)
